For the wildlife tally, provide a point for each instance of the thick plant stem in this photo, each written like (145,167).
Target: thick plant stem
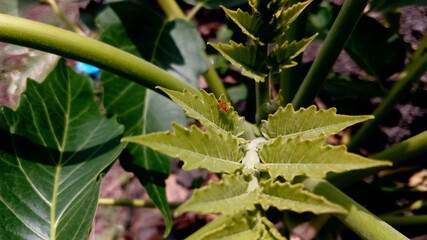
(171,9)
(290,78)
(132,203)
(397,154)
(358,219)
(341,30)
(408,77)
(71,45)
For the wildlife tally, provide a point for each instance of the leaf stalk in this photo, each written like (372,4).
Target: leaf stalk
(358,219)
(341,30)
(71,45)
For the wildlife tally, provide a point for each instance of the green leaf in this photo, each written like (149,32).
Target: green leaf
(287,16)
(172,45)
(376,49)
(231,194)
(292,157)
(212,150)
(207,110)
(251,24)
(240,226)
(54,149)
(285,196)
(210,4)
(307,123)
(141,111)
(19,64)
(245,57)
(281,57)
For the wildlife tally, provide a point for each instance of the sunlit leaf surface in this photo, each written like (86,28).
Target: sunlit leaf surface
(54,148)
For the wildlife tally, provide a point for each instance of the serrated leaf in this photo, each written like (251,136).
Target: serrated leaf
(212,150)
(240,226)
(289,15)
(142,111)
(281,57)
(245,57)
(230,195)
(53,152)
(251,24)
(207,110)
(292,157)
(285,196)
(307,123)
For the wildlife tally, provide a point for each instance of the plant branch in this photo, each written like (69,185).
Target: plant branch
(214,81)
(194,11)
(71,45)
(290,78)
(408,77)
(405,220)
(64,18)
(340,31)
(358,219)
(171,9)
(397,154)
(132,203)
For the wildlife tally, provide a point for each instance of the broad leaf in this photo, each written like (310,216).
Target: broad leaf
(231,194)
(172,45)
(287,16)
(245,57)
(17,64)
(307,123)
(251,24)
(292,157)
(285,196)
(141,111)
(54,149)
(212,150)
(281,57)
(376,49)
(206,108)
(216,3)
(241,226)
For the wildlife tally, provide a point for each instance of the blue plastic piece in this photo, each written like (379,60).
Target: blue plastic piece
(92,71)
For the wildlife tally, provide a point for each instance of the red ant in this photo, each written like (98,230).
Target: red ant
(222,105)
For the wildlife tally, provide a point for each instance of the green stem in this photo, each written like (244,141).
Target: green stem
(132,203)
(397,154)
(171,9)
(262,96)
(408,77)
(71,45)
(214,81)
(341,30)
(408,149)
(194,11)
(64,18)
(291,78)
(358,219)
(405,220)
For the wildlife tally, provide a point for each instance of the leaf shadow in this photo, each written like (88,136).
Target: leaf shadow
(28,150)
